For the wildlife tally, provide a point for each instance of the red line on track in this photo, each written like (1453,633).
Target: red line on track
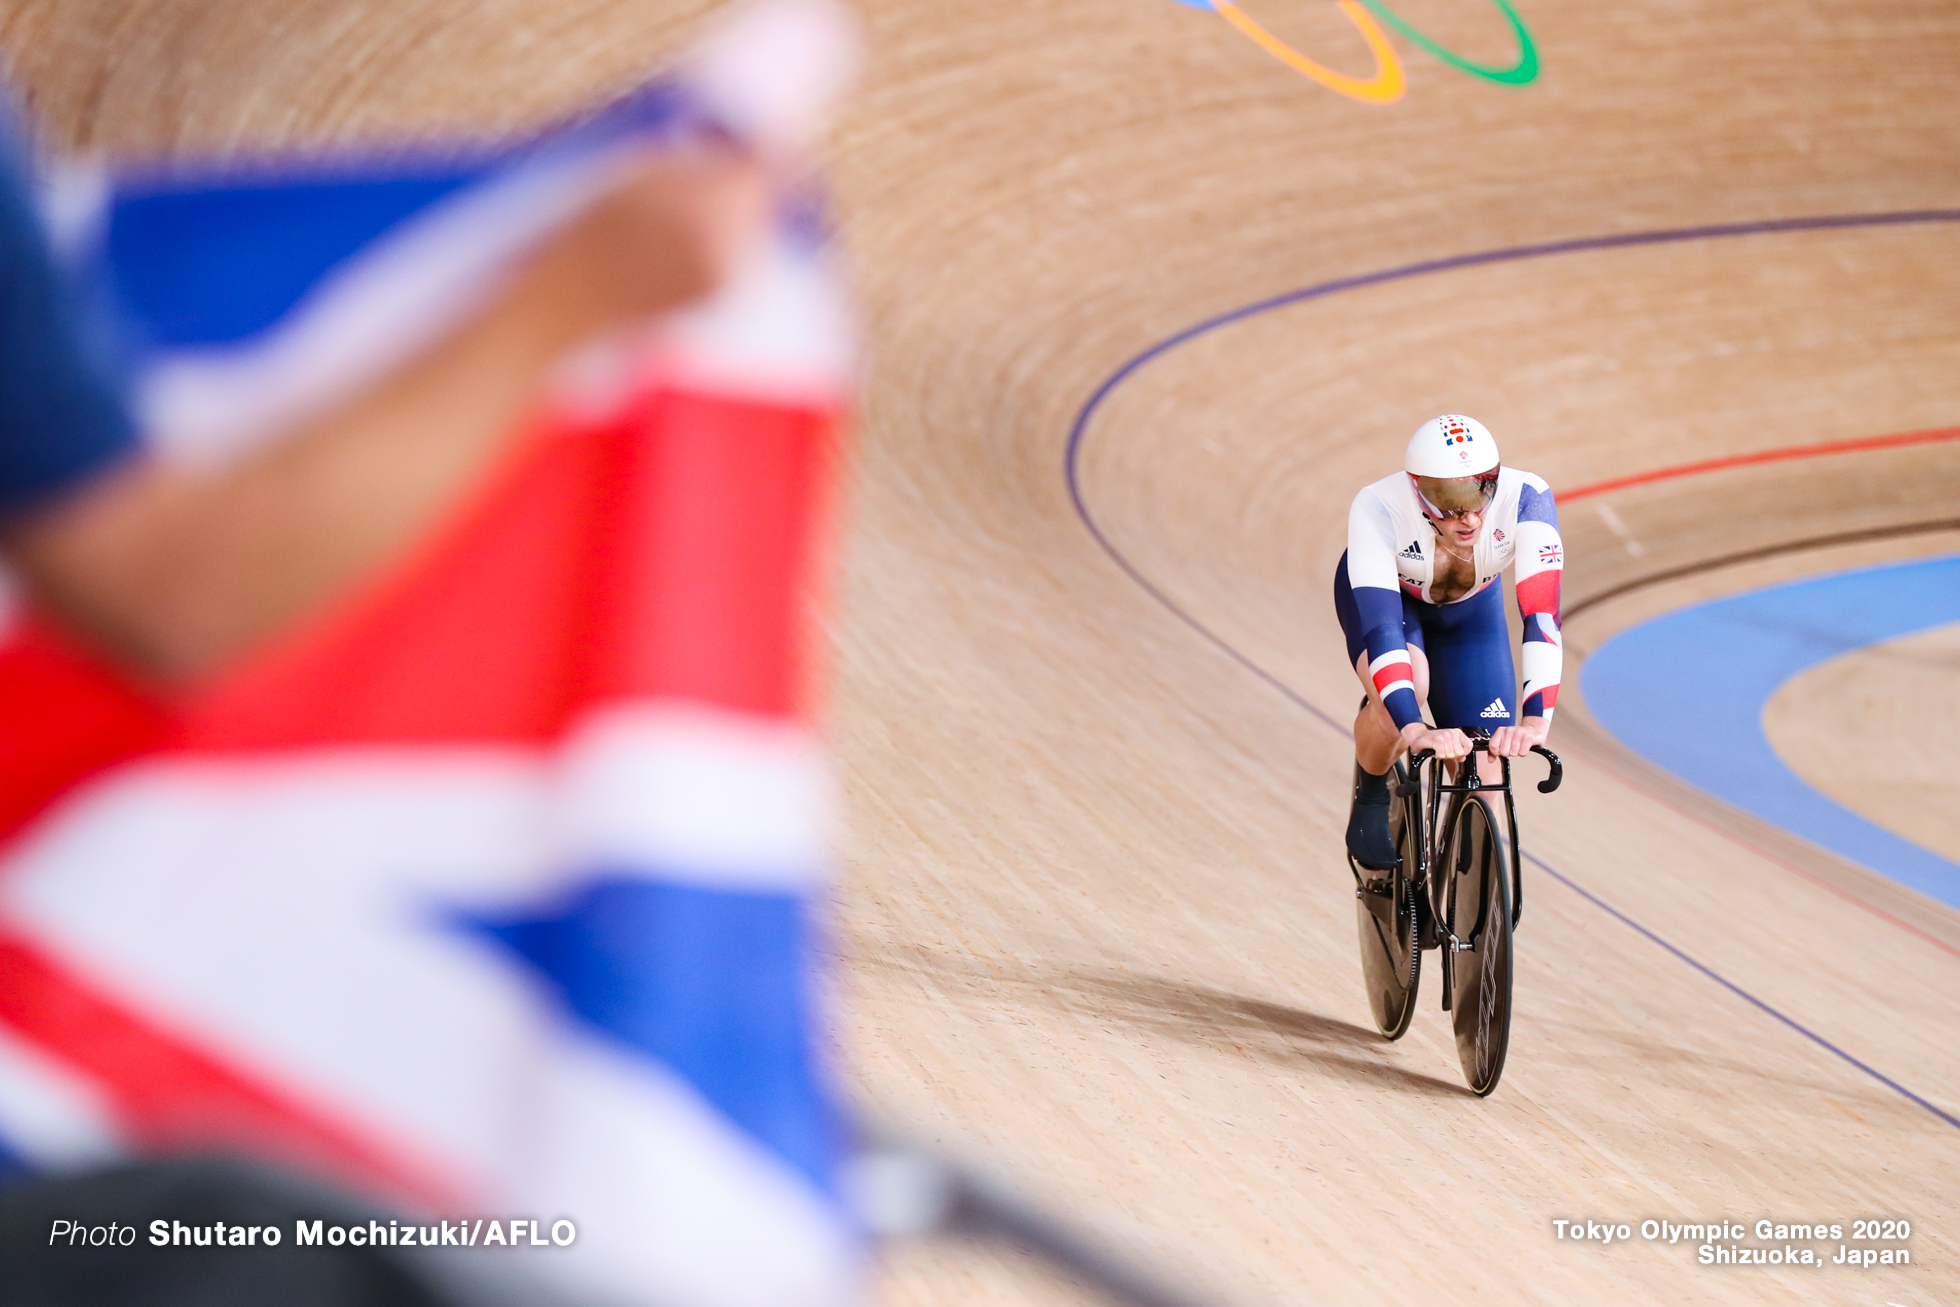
(1851,446)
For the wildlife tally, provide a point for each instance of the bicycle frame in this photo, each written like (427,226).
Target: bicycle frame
(1470,781)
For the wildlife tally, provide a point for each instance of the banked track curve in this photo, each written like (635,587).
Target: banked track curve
(1085,416)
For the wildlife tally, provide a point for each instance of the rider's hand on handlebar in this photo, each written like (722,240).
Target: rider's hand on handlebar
(1516,741)
(1448,743)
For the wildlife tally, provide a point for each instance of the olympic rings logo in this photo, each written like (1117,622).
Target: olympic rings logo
(1387,83)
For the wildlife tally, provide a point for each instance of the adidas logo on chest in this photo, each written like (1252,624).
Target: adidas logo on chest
(1414,550)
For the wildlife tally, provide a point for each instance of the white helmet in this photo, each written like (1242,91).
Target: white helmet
(1453,463)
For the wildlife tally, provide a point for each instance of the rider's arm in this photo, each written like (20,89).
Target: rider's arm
(1541,563)
(1378,599)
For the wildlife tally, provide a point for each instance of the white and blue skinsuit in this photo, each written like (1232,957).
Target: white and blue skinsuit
(1383,593)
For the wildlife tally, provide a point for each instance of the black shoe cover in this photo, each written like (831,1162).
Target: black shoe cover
(1367,835)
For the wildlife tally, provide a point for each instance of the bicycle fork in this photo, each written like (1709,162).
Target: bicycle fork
(1449,944)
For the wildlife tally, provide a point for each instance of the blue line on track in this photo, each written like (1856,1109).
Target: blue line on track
(1078,430)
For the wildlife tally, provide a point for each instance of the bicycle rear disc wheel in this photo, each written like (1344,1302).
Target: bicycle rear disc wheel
(1391,962)
(1480,915)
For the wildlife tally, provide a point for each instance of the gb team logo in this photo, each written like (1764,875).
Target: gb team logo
(1457,438)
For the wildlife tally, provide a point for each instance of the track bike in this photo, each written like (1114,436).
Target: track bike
(1459,888)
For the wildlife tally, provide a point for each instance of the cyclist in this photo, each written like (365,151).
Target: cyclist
(1424,619)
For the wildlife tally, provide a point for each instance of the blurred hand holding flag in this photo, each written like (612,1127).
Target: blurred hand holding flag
(493,887)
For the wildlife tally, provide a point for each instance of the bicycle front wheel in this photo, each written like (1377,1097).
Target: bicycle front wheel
(1480,917)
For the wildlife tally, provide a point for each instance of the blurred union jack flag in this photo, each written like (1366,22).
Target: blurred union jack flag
(491,889)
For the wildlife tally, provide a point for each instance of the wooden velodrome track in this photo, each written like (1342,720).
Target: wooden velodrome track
(1095,913)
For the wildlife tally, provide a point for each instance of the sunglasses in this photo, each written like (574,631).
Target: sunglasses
(1449,498)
